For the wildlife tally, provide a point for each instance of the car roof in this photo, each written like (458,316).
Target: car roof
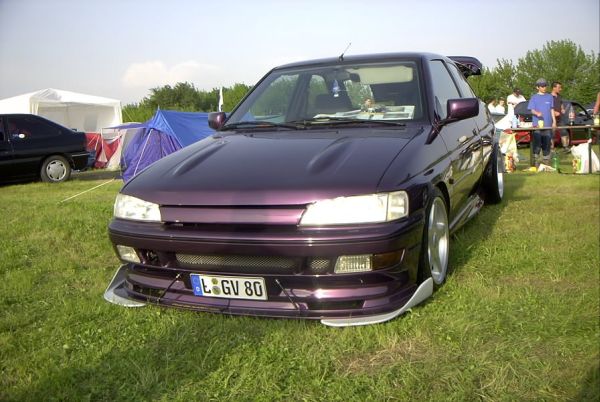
(365,58)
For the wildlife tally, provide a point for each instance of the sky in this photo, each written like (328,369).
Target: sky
(122,48)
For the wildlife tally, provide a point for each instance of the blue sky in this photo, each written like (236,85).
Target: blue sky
(122,48)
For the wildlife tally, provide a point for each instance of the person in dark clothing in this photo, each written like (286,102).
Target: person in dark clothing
(560,114)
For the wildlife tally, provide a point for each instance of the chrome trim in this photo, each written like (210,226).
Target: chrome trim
(423,292)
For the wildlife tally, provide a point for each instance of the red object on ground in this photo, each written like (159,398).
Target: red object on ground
(104,149)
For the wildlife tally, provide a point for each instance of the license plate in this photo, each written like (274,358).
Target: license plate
(229,287)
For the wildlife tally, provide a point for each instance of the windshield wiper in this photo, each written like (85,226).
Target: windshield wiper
(260,124)
(325,120)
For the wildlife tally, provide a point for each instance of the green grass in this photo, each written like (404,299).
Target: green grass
(518,318)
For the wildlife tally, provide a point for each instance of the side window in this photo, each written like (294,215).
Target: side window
(463,85)
(16,128)
(317,86)
(443,87)
(358,93)
(22,128)
(274,101)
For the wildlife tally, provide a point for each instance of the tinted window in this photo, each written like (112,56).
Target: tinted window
(30,127)
(443,87)
(462,83)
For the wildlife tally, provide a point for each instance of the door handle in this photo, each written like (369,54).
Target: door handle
(462,139)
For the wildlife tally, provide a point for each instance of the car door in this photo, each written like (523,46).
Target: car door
(461,138)
(6,154)
(484,124)
(32,138)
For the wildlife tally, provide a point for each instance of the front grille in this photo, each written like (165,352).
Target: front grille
(319,265)
(240,263)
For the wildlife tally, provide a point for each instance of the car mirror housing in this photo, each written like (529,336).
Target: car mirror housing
(216,120)
(460,109)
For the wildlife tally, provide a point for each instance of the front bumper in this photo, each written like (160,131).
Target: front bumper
(294,291)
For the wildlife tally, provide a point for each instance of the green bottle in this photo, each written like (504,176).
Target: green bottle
(556,162)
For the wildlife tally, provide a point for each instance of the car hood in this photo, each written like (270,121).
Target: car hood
(272,169)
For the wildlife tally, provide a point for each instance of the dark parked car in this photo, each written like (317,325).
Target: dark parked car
(329,193)
(32,147)
(577,135)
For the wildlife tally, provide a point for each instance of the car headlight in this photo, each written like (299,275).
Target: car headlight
(132,208)
(372,208)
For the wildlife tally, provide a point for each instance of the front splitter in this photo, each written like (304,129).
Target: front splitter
(424,291)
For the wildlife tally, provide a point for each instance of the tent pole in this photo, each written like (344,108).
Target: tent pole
(142,154)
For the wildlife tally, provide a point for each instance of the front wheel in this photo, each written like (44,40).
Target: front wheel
(435,248)
(493,179)
(55,169)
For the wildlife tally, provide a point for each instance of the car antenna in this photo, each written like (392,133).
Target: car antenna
(341,58)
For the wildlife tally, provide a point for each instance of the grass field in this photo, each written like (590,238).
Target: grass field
(518,318)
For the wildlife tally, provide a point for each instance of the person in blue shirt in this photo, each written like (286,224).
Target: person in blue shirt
(542,109)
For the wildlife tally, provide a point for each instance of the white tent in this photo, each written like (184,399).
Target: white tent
(74,110)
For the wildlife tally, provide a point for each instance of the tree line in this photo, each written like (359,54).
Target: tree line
(185,97)
(562,61)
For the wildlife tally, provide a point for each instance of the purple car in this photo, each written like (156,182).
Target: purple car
(328,193)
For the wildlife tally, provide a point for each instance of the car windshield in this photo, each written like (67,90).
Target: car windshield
(388,92)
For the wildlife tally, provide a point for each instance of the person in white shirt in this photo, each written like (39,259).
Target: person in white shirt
(513,100)
(500,107)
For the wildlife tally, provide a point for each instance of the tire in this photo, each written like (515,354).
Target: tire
(435,247)
(493,178)
(55,169)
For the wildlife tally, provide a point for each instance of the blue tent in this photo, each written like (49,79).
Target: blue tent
(166,132)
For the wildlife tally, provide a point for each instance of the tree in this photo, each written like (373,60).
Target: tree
(562,61)
(135,112)
(183,97)
(233,95)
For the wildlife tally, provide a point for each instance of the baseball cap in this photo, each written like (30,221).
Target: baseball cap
(541,83)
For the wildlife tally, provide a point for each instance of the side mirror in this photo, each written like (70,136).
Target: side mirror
(216,120)
(460,109)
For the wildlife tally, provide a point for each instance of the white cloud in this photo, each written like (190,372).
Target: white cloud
(151,74)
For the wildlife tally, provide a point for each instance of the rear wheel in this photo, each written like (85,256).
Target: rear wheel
(493,179)
(55,169)
(435,248)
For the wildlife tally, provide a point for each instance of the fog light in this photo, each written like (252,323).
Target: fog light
(353,263)
(387,260)
(128,254)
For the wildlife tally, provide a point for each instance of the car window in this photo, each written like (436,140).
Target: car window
(443,87)
(22,128)
(275,100)
(579,110)
(369,91)
(461,81)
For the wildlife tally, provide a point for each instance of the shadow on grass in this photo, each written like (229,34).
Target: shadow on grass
(590,391)
(153,367)
(465,241)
